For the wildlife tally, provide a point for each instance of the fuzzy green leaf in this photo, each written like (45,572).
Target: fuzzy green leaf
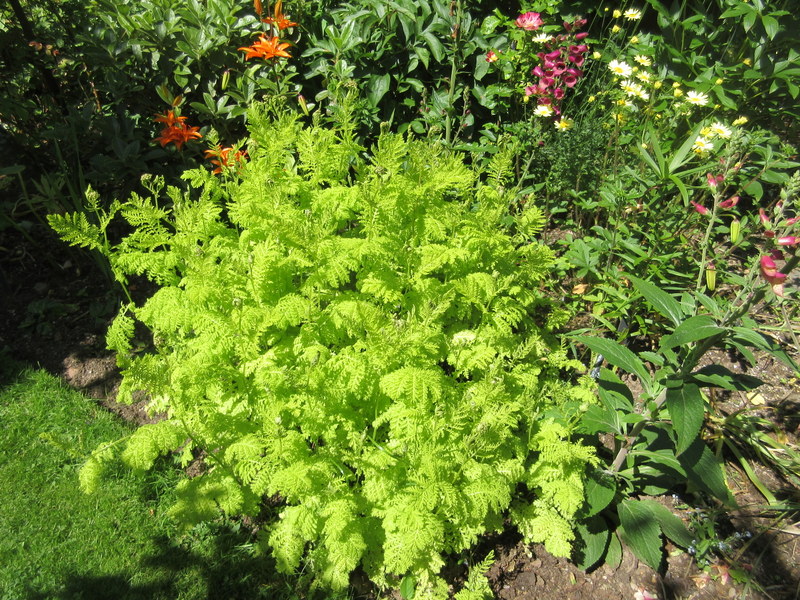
(687,409)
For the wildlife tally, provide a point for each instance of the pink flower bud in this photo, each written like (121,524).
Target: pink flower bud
(763,216)
(699,207)
(714,181)
(730,202)
(792,221)
(581,36)
(789,240)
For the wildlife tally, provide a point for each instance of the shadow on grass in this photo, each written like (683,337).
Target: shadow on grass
(217,566)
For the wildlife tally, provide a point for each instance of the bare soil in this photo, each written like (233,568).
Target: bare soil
(54,312)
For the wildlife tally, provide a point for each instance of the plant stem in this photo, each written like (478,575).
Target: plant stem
(448,125)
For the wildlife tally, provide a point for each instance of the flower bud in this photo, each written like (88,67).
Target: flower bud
(711,277)
(736,228)
(226,77)
(789,240)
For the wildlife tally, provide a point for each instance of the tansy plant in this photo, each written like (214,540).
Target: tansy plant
(359,335)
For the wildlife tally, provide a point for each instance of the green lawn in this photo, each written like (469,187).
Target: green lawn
(56,542)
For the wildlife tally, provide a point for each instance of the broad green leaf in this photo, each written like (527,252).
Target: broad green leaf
(640,531)
(377,87)
(408,587)
(599,491)
(617,355)
(663,458)
(722,377)
(670,524)
(770,26)
(595,535)
(613,392)
(764,342)
(665,304)
(705,471)
(692,329)
(614,552)
(687,409)
(598,419)
(436,47)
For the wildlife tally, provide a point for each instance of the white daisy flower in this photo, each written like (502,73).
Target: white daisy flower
(698,98)
(620,68)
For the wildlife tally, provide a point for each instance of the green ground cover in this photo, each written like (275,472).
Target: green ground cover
(60,543)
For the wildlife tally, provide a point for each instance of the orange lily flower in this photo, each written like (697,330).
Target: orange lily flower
(279,20)
(257,7)
(169,119)
(222,157)
(175,130)
(267,48)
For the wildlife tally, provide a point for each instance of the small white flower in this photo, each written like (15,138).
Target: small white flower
(702,145)
(542,38)
(697,98)
(643,60)
(563,124)
(620,68)
(543,110)
(632,14)
(634,89)
(719,130)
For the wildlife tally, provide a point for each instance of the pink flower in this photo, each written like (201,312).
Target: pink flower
(792,221)
(730,202)
(569,81)
(699,207)
(763,216)
(581,36)
(491,56)
(769,271)
(714,181)
(558,93)
(789,240)
(578,59)
(530,90)
(530,21)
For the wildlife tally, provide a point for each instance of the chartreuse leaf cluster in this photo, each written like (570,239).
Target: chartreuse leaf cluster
(360,334)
